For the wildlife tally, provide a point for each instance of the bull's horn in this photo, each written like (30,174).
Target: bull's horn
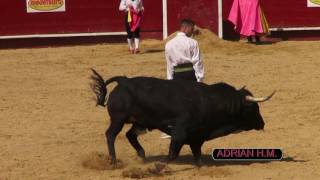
(259,99)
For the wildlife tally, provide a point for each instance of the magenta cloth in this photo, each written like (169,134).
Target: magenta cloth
(136,19)
(246,16)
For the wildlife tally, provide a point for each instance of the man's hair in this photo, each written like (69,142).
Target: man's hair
(186,22)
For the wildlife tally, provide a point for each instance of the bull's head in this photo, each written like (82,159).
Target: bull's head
(250,115)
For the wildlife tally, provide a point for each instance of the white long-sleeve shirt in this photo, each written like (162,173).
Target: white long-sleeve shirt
(136,4)
(183,49)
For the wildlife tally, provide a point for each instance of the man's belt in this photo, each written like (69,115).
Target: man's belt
(183,67)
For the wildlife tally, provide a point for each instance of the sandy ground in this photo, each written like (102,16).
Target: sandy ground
(51,129)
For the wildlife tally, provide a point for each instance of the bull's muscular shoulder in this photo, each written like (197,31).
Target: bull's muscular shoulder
(140,80)
(156,84)
(222,85)
(222,89)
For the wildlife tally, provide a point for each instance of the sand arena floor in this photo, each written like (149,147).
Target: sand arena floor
(51,129)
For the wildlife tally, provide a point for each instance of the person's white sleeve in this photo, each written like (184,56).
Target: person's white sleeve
(169,66)
(198,65)
(141,5)
(123,6)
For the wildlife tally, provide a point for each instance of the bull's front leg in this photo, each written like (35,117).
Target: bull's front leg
(132,136)
(111,134)
(178,138)
(174,150)
(196,151)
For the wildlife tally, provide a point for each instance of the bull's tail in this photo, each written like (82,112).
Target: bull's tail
(99,86)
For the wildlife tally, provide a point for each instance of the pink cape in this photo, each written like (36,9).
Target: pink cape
(136,19)
(248,18)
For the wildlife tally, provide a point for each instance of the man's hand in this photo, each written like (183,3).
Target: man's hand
(200,79)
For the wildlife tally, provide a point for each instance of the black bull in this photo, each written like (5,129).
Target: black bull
(190,112)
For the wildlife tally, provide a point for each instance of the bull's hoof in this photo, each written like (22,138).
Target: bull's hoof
(112,162)
(171,159)
(168,160)
(116,164)
(142,154)
(198,163)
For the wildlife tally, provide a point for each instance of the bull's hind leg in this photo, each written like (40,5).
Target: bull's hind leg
(132,136)
(115,127)
(119,104)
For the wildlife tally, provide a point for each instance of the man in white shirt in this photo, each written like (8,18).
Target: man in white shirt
(183,55)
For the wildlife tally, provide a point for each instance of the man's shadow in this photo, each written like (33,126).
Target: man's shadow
(208,161)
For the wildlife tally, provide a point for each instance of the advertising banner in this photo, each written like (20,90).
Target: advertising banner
(34,6)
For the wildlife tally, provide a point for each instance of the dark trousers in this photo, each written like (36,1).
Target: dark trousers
(187,75)
(130,34)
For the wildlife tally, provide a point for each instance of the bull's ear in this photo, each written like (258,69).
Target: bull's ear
(243,87)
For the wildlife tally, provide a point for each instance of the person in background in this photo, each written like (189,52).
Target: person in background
(133,15)
(249,19)
(183,57)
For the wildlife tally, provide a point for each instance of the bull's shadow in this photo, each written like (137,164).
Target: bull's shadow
(153,50)
(208,161)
